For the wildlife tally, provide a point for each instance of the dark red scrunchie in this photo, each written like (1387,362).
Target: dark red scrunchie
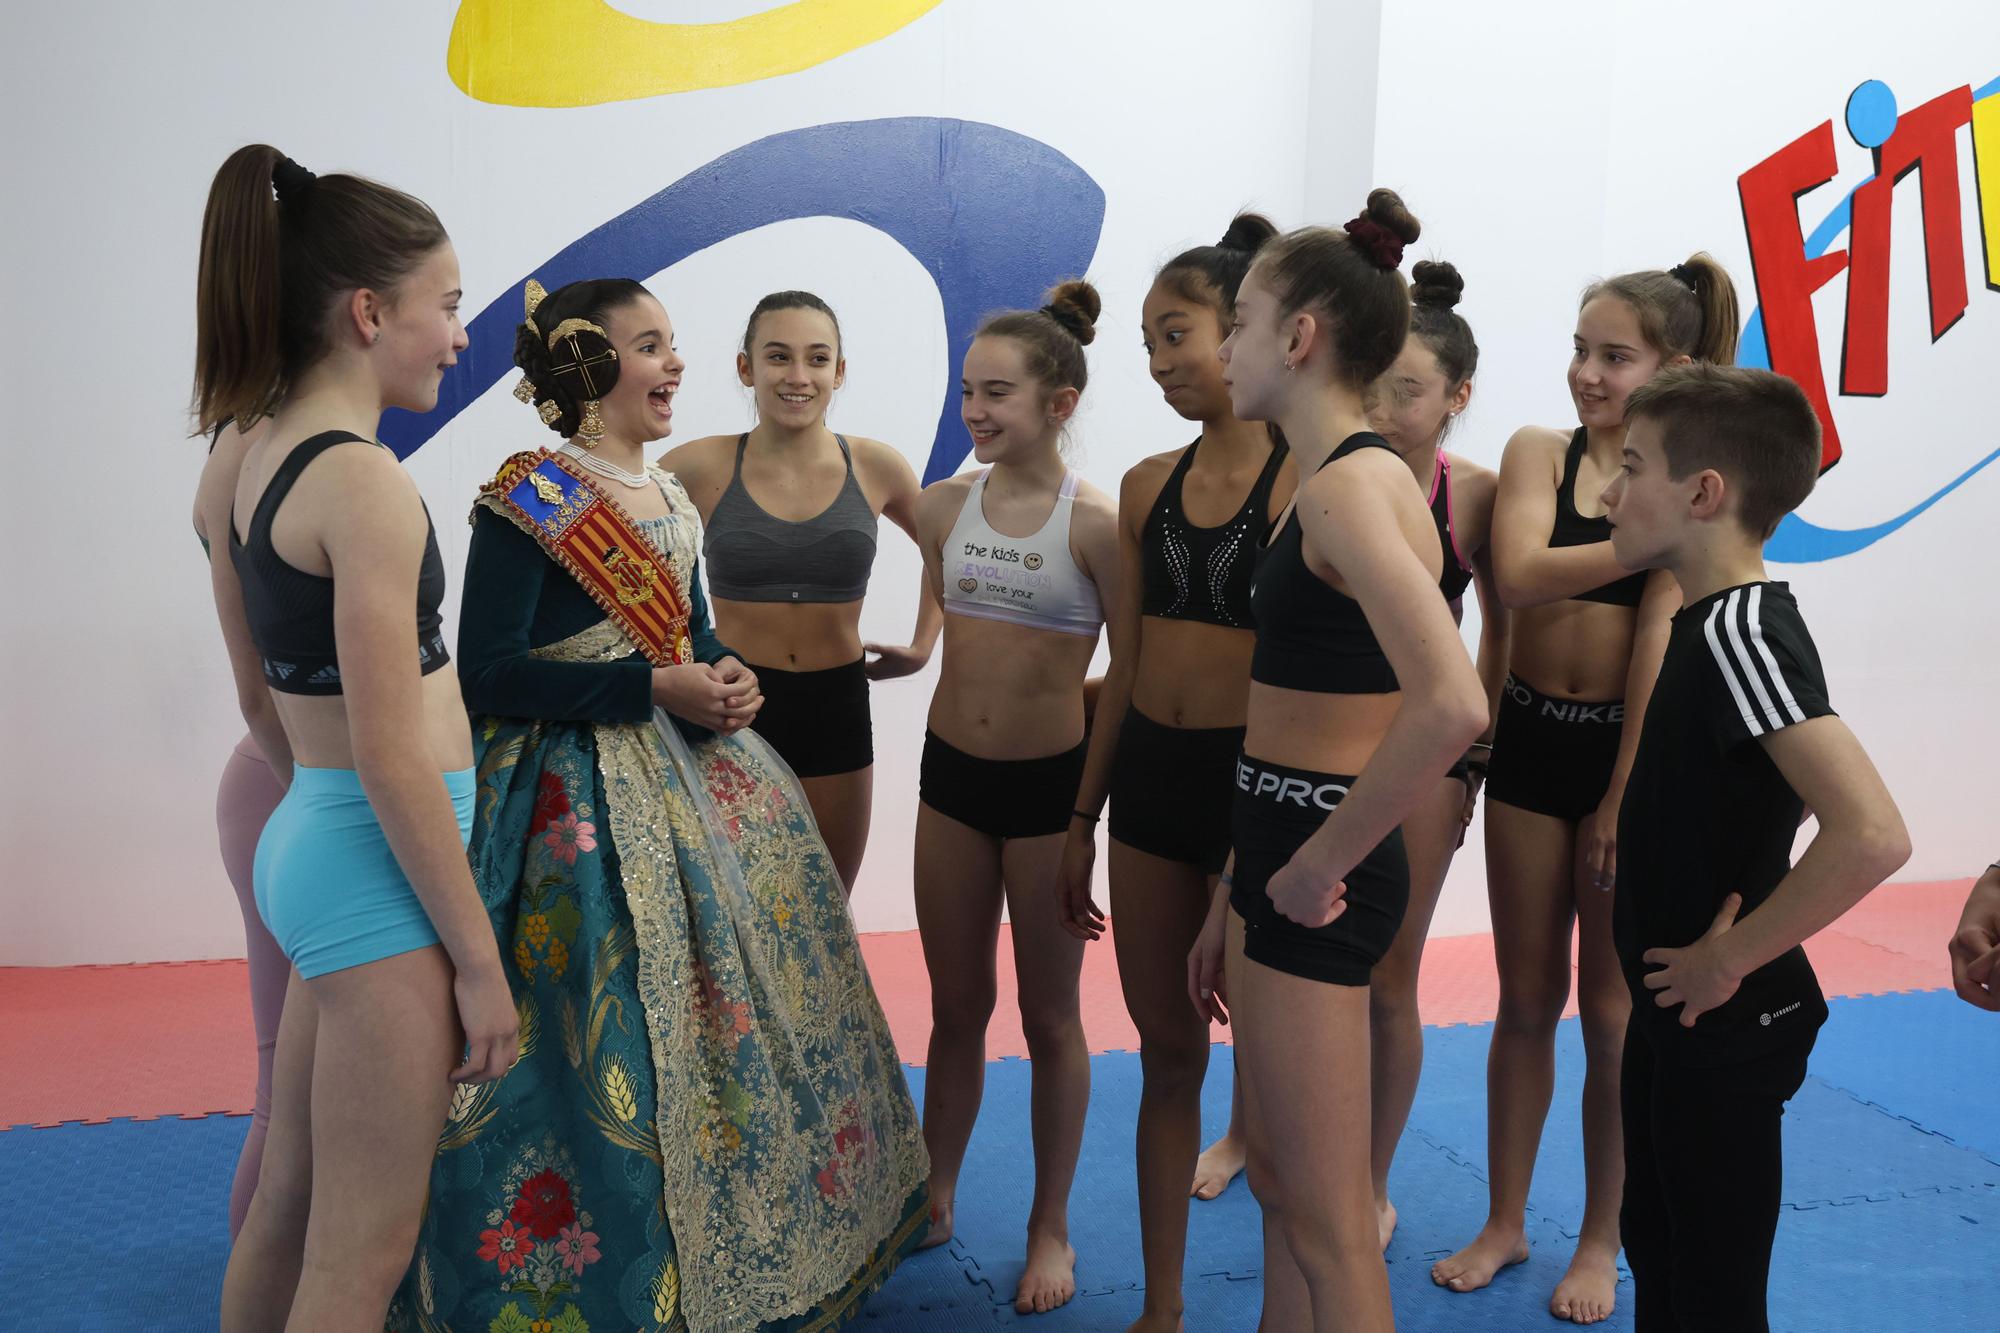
(1385,247)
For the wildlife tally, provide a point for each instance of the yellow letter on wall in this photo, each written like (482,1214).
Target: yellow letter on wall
(1986,160)
(554,53)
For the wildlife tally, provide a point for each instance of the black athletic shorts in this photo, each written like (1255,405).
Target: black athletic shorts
(817,721)
(1002,798)
(1276,810)
(1553,756)
(1170,790)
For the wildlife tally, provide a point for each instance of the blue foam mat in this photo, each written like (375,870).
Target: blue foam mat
(1928,1057)
(115,1227)
(1892,1200)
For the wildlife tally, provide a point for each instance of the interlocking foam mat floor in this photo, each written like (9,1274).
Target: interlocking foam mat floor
(1892,1181)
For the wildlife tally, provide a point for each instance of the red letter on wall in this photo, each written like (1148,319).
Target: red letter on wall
(1786,279)
(1926,140)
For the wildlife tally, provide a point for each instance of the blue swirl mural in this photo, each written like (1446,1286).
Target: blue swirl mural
(993,216)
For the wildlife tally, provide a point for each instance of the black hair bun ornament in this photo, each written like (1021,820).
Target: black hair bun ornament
(582,360)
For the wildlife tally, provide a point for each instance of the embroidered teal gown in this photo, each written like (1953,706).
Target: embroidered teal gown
(708,1128)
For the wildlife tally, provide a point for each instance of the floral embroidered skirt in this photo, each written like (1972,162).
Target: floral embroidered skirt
(708,1128)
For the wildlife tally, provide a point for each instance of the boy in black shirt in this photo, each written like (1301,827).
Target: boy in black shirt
(1739,740)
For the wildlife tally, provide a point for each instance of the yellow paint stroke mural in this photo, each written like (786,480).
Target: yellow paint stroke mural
(553,53)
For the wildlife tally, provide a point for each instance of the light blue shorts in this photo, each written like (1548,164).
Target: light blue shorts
(327,884)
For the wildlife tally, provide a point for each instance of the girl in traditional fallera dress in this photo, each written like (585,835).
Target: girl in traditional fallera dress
(709,1128)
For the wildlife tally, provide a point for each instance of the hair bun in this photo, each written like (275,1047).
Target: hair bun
(1247,233)
(1386,207)
(1435,284)
(1075,305)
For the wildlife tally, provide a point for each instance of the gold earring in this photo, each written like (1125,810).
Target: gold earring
(590,430)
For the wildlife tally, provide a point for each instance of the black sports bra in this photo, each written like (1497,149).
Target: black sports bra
(1196,573)
(291,612)
(1573,529)
(1310,637)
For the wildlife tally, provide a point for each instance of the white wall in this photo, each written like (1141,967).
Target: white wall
(118,699)
(1543,145)
(1546,145)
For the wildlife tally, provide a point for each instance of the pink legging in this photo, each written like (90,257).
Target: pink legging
(244,800)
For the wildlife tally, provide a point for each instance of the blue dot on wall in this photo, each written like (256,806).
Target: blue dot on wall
(1871,114)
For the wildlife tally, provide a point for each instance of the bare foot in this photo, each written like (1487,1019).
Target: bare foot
(1050,1277)
(1218,1164)
(940,1231)
(1589,1289)
(1493,1249)
(1148,1322)
(1385,1222)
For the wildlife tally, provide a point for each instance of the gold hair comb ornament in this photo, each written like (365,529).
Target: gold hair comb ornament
(535,294)
(569,326)
(550,413)
(525,390)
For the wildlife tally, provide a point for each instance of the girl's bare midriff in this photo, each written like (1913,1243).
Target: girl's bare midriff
(1192,674)
(791,636)
(318,728)
(1573,650)
(1323,733)
(1008,691)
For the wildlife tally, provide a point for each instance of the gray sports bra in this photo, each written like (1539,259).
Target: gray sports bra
(755,557)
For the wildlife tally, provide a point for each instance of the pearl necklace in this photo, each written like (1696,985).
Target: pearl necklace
(592,463)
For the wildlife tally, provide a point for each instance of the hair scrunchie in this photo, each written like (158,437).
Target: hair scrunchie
(1385,247)
(1684,275)
(289,180)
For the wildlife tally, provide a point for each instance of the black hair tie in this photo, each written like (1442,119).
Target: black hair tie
(289,180)
(1684,275)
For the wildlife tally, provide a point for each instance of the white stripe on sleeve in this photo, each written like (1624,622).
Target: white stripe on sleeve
(1748,664)
(1723,660)
(1771,663)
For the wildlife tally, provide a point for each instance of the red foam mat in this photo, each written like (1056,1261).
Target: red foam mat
(91,1043)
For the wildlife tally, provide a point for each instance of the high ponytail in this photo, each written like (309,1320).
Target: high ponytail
(279,247)
(1688,310)
(238,295)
